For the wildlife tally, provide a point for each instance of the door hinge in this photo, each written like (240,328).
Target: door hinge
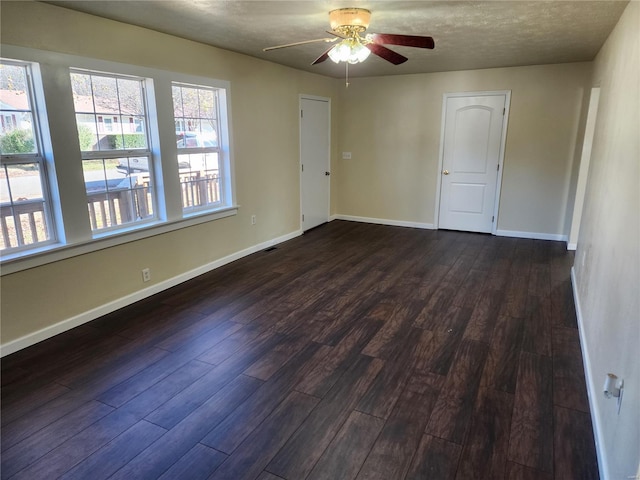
(493,218)
(504,110)
(498,168)
(301,113)
(303,217)
(303,167)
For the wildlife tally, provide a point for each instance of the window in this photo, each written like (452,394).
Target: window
(196,114)
(105,175)
(25,209)
(112,124)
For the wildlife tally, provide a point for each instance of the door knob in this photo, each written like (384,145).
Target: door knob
(327,173)
(446,172)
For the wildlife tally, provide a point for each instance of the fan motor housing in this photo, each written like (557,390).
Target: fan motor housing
(356,19)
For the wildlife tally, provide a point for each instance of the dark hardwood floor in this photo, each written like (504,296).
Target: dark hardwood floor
(356,351)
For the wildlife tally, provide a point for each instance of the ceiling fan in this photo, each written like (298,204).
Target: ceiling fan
(348,25)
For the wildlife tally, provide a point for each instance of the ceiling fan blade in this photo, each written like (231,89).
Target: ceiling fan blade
(404,40)
(322,57)
(326,40)
(388,55)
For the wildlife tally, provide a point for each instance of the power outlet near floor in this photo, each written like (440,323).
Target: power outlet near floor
(253,219)
(146,274)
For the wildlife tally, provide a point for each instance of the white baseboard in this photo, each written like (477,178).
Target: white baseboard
(50,331)
(533,235)
(383,221)
(592,389)
(572,246)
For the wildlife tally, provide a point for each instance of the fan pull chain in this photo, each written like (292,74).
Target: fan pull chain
(347,74)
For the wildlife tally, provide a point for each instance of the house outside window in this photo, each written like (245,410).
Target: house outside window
(25,207)
(201,169)
(111,118)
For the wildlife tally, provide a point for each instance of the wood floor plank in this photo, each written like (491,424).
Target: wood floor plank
(539,279)
(390,383)
(197,464)
(452,413)
(298,456)
(531,440)
(563,313)
(393,332)
(514,304)
(30,449)
(70,402)
(221,351)
(244,419)
(253,455)
(574,459)
(435,458)
(180,406)
(392,452)
(484,315)
(471,289)
(345,455)
(117,453)
(501,369)
(213,330)
(326,373)
(486,448)
(537,336)
(134,385)
(65,456)
(569,384)
(515,471)
(267,365)
(36,398)
(438,303)
(168,449)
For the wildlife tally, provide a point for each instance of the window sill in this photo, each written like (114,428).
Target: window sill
(13,263)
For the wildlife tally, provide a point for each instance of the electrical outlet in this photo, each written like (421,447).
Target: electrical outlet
(253,219)
(146,274)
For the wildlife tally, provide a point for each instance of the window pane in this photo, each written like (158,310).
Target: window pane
(114,197)
(130,97)
(196,117)
(190,102)
(17,134)
(23,209)
(199,179)
(82,97)
(105,94)
(119,121)
(207,104)
(177,101)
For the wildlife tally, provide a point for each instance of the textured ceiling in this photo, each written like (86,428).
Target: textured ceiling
(468,35)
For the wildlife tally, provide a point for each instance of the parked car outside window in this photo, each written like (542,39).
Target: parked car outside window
(183,140)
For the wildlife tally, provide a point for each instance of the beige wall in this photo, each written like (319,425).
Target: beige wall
(264,101)
(392,127)
(607,263)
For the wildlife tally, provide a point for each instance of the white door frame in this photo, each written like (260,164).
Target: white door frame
(301,97)
(503,141)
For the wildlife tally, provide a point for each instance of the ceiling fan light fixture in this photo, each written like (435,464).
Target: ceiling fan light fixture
(349,50)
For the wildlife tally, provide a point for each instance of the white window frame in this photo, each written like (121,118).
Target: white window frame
(108,119)
(217,149)
(37,158)
(61,143)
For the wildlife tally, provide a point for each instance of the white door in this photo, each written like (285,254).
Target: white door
(472,151)
(315,144)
